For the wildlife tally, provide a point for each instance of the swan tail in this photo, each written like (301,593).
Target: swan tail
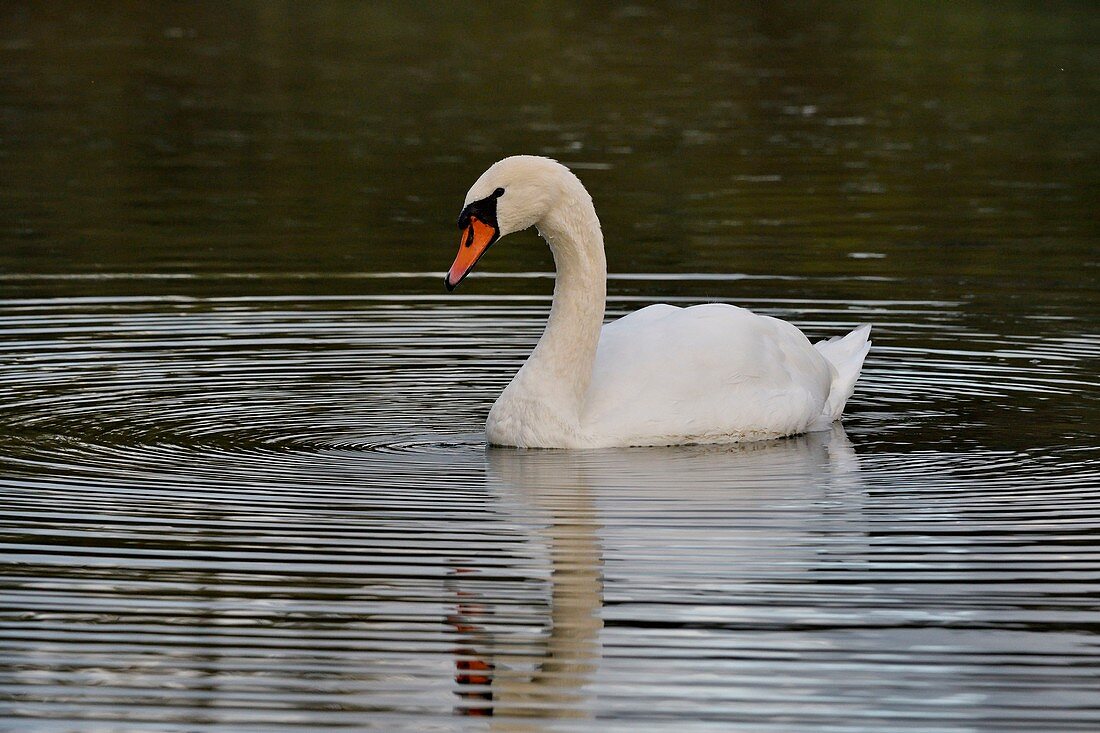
(846,354)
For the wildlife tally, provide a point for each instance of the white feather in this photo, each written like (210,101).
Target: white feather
(662,375)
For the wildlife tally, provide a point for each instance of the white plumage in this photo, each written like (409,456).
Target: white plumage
(660,376)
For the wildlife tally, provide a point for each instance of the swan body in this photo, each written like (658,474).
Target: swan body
(663,375)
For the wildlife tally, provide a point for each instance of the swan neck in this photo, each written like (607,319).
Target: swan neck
(567,350)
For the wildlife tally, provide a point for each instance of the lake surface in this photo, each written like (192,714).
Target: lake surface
(243,472)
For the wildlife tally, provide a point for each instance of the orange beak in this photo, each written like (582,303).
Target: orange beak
(476,238)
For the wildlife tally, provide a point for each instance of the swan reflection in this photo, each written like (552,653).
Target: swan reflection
(584,506)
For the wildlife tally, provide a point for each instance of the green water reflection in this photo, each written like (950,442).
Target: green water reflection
(951,146)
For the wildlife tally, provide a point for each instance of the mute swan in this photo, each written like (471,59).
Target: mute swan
(662,375)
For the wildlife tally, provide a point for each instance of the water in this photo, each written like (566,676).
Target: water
(244,481)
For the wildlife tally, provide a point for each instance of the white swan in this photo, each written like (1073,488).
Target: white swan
(662,375)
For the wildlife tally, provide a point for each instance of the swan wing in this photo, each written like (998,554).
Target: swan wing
(707,373)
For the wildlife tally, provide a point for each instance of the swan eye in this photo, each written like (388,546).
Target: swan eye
(484,209)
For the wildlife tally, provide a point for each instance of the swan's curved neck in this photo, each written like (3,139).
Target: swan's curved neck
(562,361)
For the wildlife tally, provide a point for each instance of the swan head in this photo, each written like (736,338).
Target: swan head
(512,195)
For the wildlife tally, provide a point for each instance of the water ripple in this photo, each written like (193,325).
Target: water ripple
(283,509)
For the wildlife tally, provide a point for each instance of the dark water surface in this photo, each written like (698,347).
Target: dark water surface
(242,469)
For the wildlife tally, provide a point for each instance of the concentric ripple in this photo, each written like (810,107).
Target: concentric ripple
(261,512)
